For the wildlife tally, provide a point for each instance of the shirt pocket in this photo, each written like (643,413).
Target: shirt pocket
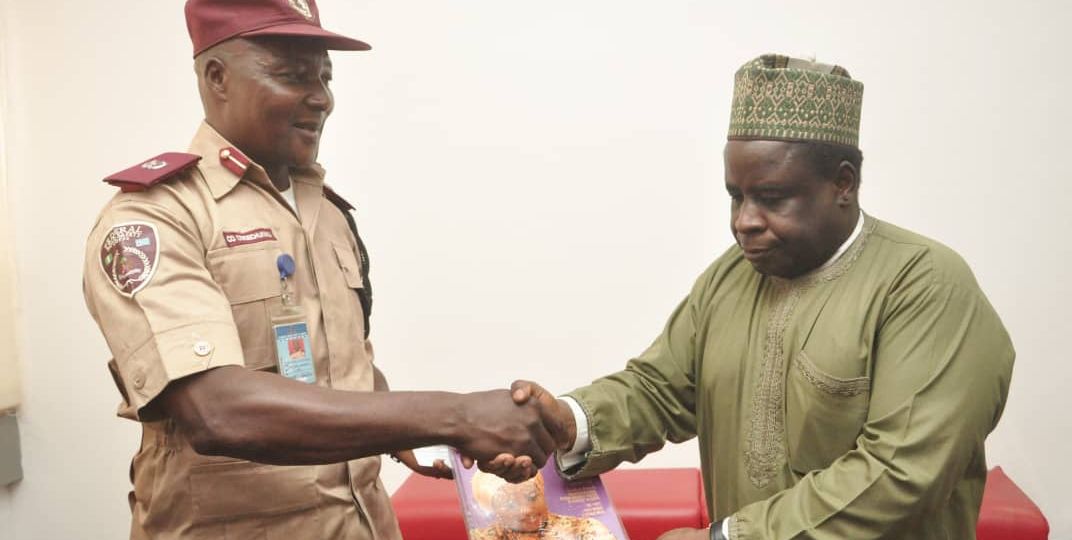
(349,266)
(232,491)
(250,281)
(825,413)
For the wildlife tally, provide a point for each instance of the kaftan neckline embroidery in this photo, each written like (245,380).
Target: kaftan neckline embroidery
(765,454)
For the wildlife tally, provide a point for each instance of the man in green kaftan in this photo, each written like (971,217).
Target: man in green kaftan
(840,372)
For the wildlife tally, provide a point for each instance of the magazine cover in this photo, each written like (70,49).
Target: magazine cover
(545,507)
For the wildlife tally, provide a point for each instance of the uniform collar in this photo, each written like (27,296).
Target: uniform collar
(224,166)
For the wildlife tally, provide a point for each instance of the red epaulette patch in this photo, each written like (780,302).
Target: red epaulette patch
(145,175)
(337,200)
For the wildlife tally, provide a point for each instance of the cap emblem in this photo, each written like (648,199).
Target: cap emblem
(302,6)
(154,164)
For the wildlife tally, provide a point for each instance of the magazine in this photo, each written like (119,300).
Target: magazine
(545,507)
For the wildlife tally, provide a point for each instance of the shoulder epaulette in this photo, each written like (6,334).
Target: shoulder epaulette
(337,200)
(147,174)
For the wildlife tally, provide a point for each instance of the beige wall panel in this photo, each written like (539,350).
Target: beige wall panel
(10,378)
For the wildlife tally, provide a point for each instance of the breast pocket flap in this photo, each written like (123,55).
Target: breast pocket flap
(246,276)
(349,265)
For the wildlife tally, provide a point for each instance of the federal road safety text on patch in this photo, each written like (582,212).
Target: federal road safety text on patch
(129,255)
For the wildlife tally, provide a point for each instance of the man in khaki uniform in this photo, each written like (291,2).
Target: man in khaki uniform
(233,293)
(840,373)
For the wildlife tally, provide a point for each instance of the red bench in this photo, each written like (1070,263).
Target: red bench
(1008,513)
(653,501)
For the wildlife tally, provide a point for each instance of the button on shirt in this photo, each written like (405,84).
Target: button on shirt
(218,231)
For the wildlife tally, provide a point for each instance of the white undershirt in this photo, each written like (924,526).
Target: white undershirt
(848,242)
(583,443)
(288,195)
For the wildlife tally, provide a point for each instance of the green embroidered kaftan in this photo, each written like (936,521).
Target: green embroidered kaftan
(849,403)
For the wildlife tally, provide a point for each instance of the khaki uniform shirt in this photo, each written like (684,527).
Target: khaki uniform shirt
(850,403)
(182,278)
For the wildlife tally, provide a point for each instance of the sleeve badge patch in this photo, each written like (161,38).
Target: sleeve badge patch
(129,255)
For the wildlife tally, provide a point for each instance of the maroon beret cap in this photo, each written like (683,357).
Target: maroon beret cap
(211,22)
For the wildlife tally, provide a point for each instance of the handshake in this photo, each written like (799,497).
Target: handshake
(512,434)
(509,433)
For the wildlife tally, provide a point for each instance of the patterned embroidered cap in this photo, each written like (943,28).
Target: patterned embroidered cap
(781,98)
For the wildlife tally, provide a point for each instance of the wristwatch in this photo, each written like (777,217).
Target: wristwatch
(716,531)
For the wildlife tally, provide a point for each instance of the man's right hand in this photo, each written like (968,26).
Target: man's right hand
(495,425)
(557,419)
(262,417)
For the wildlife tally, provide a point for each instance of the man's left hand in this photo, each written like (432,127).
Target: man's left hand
(686,534)
(438,470)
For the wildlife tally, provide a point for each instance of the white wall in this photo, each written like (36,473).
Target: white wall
(539,184)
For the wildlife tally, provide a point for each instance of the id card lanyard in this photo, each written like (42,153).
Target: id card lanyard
(294,352)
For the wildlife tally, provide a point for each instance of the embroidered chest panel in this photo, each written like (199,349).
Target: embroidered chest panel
(765,445)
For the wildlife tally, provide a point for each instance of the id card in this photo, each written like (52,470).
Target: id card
(294,352)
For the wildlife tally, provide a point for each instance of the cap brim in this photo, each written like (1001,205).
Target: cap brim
(331,40)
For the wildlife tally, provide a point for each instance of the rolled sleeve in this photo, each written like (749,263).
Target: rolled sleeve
(173,354)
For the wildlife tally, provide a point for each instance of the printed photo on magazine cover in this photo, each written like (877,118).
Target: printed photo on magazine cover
(545,507)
